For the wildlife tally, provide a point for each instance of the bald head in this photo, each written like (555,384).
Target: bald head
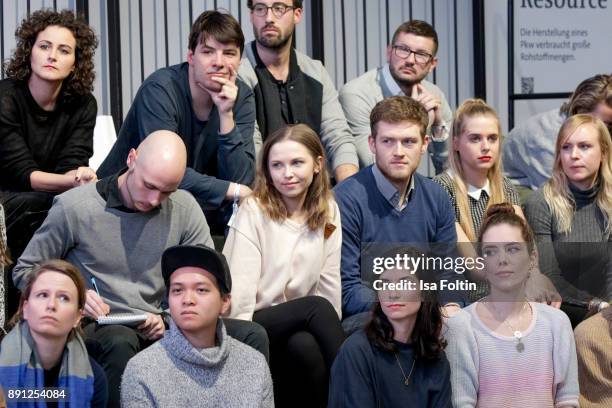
(163,150)
(163,156)
(155,170)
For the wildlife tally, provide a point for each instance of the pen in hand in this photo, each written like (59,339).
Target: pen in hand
(93,282)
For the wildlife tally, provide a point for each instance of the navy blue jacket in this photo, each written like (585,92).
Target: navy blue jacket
(163,102)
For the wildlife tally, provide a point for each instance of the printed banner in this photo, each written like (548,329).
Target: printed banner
(558,43)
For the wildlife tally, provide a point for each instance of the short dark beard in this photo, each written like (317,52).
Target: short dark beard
(275,44)
(403,83)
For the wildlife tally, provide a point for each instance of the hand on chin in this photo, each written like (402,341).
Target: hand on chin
(210,86)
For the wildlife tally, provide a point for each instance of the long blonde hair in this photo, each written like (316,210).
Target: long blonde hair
(556,190)
(319,195)
(468,109)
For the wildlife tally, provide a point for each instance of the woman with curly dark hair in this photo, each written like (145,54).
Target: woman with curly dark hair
(398,360)
(47,117)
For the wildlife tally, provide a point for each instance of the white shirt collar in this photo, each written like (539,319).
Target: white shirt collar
(476,192)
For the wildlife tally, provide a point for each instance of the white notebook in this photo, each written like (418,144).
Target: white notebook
(129,319)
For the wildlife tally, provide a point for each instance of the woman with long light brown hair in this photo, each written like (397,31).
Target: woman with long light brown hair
(283,250)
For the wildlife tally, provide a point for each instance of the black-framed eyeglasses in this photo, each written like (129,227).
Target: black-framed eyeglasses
(419,56)
(278,9)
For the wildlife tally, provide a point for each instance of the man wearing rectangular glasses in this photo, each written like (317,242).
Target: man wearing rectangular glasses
(292,88)
(411,56)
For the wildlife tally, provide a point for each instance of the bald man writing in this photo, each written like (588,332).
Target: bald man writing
(115,232)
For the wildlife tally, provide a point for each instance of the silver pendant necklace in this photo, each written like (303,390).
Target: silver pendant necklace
(518,335)
(406,379)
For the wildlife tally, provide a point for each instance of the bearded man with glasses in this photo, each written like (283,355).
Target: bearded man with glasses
(411,56)
(292,88)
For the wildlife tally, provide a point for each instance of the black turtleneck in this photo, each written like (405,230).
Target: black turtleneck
(575,260)
(584,197)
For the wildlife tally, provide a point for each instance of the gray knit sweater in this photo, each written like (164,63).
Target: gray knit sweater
(122,250)
(528,151)
(172,373)
(577,262)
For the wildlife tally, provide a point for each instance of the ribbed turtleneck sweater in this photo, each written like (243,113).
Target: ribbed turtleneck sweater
(576,261)
(173,373)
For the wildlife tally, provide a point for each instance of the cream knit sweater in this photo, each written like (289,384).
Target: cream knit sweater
(273,262)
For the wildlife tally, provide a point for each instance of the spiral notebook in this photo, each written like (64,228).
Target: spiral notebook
(128,319)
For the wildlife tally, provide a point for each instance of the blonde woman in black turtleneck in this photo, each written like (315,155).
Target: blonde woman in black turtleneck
(572,212)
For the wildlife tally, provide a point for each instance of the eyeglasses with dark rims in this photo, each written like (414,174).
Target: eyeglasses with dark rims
(278,9)
(404,52)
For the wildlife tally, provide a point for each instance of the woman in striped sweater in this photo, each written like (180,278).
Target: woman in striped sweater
(503,350)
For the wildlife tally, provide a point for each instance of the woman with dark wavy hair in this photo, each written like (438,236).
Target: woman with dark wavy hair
(47,117)
(398,359)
